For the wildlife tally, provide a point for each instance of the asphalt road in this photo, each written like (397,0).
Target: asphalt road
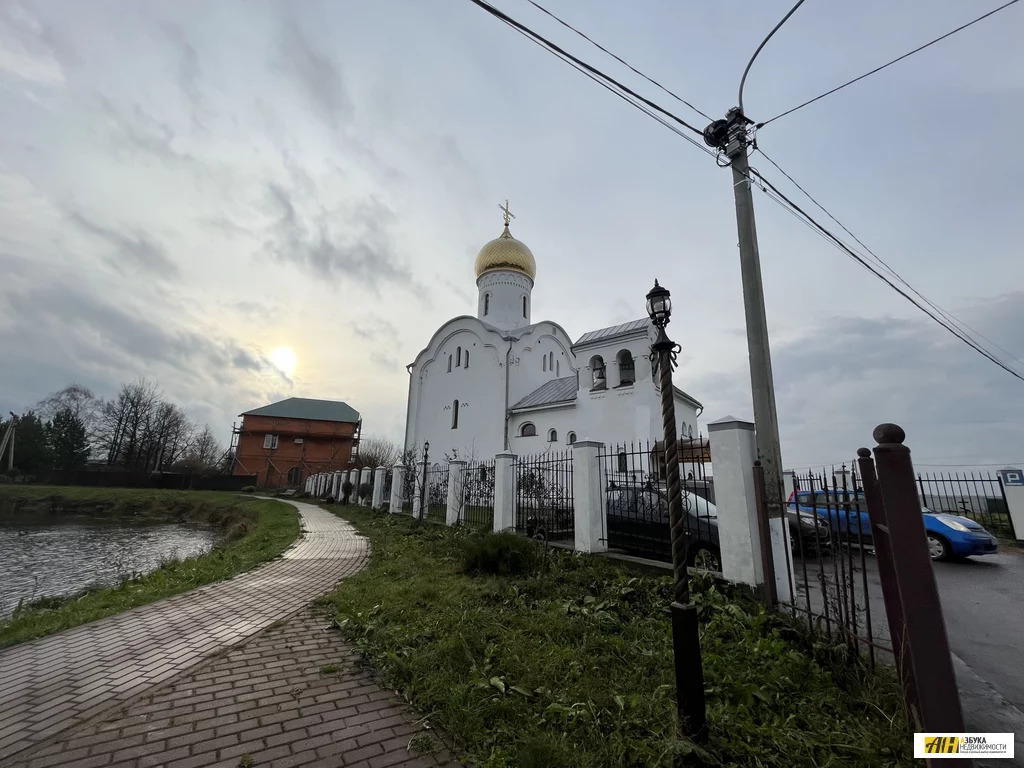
(983,605)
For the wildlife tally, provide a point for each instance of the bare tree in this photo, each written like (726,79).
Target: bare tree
(376,451)
(203,455)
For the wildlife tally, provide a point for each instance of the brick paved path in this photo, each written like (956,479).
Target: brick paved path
(59,682)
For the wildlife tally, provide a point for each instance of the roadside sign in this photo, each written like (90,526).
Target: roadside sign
(1012,476)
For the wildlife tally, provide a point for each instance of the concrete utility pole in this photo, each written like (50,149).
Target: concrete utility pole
(730,135)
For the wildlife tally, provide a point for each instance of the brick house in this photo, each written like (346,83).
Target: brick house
(284,443)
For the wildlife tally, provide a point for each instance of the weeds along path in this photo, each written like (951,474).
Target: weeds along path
(51,684)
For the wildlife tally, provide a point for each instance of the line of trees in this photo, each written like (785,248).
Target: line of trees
(138,430)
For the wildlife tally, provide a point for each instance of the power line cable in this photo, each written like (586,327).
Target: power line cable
(622,61)
(580,63)
(947,315)
(888,64)
(781,199)
(646,106)
(762,45)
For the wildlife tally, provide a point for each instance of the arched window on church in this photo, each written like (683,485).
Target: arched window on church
(627,369)
(544,363)
(597,371)
(449,363)
(552,435)
(558,367)
(524,306)
(467,359)
(455,414)
(458,356)
(487,303)
(527,430)
(551,361)
(571,438)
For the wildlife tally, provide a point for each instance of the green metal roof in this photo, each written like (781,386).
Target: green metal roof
(307,408)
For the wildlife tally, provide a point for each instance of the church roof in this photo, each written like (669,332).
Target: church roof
(549,393)
(307,408)
(613,332)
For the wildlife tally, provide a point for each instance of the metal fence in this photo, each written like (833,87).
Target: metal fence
(976,495)
(544,496)
(437,493)
(477,505)
(410,487)
(636,501)
(834,578)
(389,479)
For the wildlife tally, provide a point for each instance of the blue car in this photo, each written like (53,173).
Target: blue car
(949,535)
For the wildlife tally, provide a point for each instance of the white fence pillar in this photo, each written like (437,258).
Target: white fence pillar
(364,479)
(1013,489)
(319,484)
(733,453)
(504,491)
(456,496)
(588,491)
(335,491)
(397,484)
(377,502)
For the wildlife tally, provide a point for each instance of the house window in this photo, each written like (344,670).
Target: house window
(455,414)
(487,303)
(467,359)
(527,430)
(449,363)
(552,436)
(524,306)
(627,371)
(623,462)
(458,356)
(597,370)
(571,438)
(270,441)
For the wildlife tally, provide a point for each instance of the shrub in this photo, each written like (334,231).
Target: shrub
(503,553)
(365,491)
(346,491)
(248,489)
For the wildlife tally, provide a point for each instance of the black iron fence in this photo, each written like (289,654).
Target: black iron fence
(636,502)
(544,496)
(389,479)
(477,505)
(437,493)
(975,495)
(831,563)
(410,487)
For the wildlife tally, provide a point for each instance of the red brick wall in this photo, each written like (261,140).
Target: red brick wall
(326,446)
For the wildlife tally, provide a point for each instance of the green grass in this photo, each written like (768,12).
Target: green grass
(253,531)
(572,666)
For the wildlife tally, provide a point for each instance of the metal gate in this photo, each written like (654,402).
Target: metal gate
(979,496)
(544,496)
(477,507)
(437,493)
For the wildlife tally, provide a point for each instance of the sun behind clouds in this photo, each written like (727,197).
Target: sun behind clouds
(284,360)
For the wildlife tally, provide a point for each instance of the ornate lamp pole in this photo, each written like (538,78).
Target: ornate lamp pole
(689,666)
(423,482)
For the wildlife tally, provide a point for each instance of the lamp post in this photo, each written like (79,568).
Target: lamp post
(423,483)
(689,667)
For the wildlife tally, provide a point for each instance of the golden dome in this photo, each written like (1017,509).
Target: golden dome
(505,252)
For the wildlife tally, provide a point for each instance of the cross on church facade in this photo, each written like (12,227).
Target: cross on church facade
(508,214)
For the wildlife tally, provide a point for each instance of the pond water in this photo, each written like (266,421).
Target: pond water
(63,557)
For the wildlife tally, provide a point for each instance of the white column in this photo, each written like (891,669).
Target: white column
(1013,489)
(733,453)
(588,491)
(317,485)
(336,486)
(305,487)
(377,502)
(397,483)
(504,491)
(456,498)
(364,479)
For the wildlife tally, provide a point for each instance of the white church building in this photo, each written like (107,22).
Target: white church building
(499,381)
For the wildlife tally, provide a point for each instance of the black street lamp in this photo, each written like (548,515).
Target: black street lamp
(689,666)
(423,486)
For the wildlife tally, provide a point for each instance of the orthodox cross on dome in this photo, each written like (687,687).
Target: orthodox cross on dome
(508,214)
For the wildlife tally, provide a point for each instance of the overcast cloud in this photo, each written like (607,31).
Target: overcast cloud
(186,187)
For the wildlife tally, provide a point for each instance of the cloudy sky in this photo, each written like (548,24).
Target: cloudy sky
(189,190)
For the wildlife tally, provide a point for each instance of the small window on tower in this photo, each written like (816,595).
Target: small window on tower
(467,359)
(524,306)
(455,414)
(458,356)
(487,303)
(449,363)
(544,363)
